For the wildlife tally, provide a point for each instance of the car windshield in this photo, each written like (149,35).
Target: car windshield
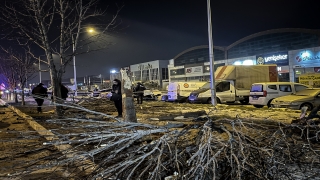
(205,86)
(308,92)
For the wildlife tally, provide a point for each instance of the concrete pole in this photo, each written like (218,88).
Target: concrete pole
(211,57)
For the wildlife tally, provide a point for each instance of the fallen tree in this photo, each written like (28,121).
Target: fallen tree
(223,148)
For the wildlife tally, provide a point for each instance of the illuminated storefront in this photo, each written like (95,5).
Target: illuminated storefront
(304,61)
(281,59)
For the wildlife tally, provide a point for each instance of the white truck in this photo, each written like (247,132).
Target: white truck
(233,83)
(179,91)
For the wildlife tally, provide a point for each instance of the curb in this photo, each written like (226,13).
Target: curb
(88,166)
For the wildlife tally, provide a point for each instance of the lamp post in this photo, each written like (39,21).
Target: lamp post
(90,30)
(40,68)
(74,70)
(213,88)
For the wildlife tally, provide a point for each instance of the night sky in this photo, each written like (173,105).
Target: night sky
(159,30)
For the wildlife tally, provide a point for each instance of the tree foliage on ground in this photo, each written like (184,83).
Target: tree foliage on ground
(57,28)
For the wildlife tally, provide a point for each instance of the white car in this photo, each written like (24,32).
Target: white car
(261,94)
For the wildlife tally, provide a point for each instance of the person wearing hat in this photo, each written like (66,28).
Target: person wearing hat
(39,93)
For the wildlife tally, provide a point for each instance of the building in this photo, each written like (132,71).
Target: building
(279,46)
(153,72)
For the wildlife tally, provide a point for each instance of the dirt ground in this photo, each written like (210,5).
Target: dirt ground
(20,144)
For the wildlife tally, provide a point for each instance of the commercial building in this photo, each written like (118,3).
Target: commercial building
(153,73)
(279,46)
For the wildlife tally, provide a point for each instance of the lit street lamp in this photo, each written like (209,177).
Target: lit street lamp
(90,30)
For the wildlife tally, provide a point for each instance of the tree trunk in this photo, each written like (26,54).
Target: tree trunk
(56,81)
(129,111)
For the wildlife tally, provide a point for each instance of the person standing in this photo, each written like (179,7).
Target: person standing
(139,90)
(39,93)
(64,92)
(117,96)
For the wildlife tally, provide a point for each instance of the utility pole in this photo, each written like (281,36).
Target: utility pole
(211,57)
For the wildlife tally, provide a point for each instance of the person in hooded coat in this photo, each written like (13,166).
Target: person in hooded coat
(117,96)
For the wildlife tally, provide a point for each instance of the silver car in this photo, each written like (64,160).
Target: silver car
(309,97)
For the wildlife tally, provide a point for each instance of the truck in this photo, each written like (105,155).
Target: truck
(310,79)
(179,91)
(233,83)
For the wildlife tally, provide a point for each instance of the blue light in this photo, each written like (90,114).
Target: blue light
(305,54)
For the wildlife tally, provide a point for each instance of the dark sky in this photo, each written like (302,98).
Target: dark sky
(161,29)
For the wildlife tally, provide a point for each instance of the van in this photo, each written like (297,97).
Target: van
(180,91)
(261,94)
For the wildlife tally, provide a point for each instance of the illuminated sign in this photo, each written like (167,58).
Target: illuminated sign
(196,69)
(307,56)
(280,59)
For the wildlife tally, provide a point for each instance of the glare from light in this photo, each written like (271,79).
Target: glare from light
(247,62)
(91,30)
(113,71)
(305,54)
(237,63)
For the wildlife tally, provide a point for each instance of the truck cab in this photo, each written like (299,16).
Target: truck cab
(225,92)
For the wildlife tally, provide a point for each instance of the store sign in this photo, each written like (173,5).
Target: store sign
(196,69)
(307,56)
(280,59)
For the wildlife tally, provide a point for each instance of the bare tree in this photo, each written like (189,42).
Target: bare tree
(7,69)
(56,27)
(21,68)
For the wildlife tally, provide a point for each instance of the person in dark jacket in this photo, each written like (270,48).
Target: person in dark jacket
(139,92)
(39,93)
(64,92)
(117,96)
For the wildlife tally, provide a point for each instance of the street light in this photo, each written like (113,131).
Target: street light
(213,91)
(90,30)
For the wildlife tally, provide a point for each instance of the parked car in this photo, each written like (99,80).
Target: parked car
(261,94)
(309,97)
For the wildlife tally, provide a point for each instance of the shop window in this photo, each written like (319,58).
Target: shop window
(174,72)
(309,70)
(285,88)
(317,69)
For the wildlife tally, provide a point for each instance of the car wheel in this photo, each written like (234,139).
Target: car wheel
(269,103)
(308,105)
(258,106)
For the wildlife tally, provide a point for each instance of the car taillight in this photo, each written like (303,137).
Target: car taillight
(264,93)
